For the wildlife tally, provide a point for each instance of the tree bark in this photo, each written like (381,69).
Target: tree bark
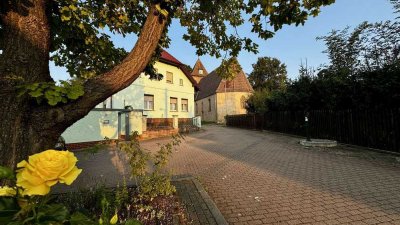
(25,44)
(25,126)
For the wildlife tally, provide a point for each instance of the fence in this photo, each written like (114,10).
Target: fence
(159,123)
(370,128)
(187,125)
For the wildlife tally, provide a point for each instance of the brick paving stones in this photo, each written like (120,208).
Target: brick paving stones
(264,178)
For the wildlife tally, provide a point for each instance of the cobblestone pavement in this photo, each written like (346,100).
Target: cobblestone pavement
(263,178)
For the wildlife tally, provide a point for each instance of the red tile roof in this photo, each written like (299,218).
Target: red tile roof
(168,57)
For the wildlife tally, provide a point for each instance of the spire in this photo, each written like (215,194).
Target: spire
(199,71)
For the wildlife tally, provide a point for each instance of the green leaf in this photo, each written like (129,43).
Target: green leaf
(52,101)
(6,173)
(8,208)
(75,91)
(80,219)
(36,93)
(73,8)
(164,12)
(66,16)
(52,213)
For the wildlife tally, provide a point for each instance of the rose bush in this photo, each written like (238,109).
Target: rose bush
(46,169)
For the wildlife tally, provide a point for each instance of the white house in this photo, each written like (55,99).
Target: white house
(144,100)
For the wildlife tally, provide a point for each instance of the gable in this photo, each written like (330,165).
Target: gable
(197,67)
(213,83)
(238,84)
(170,60)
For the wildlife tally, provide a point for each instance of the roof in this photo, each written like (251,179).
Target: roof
(208,85)
(199,66)
(168,57)
(213,83)
(171,60)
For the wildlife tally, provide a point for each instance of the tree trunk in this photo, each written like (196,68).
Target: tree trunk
(25,44)
(25,126)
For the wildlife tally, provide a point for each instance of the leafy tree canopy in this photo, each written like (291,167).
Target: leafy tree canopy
(268,73)
(80,39)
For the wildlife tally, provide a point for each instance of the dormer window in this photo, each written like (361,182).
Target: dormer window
(200,71)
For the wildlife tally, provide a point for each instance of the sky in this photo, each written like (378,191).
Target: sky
(291,45)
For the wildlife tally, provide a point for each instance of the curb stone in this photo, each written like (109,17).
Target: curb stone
(212,207)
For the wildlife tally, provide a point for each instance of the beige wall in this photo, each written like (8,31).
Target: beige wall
(222,104)
(203,109)
(230,104)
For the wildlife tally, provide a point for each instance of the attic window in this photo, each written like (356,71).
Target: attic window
(200,71)
(170,78)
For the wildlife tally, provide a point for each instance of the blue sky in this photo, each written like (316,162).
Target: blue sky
(291,45)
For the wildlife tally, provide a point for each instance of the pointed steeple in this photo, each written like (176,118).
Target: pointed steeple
(199,71)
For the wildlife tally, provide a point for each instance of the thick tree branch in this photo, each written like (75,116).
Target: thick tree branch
(101,87)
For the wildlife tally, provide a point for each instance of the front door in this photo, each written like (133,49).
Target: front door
(123,126)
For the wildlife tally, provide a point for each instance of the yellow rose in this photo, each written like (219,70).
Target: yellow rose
(7,191)
(45,169)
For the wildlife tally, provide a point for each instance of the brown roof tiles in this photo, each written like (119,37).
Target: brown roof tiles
(213,83)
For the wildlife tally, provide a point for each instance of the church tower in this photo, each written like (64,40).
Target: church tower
(199,71)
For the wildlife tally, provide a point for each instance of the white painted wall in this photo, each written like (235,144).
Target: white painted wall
(93,127)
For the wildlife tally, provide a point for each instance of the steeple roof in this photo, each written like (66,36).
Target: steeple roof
(199,67)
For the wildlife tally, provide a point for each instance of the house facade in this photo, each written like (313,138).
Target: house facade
(219,97)
(169,98)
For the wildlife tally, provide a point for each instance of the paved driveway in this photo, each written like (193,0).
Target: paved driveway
(264,178)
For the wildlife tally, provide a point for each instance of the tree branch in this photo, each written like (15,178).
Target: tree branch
(121,76)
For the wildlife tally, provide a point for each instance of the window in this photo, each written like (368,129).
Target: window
(209,105)
(148,102)
(184,103)
(170,78)
(181,82)
(173,104)
(200,71)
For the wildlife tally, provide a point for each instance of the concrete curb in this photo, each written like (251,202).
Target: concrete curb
(219,218)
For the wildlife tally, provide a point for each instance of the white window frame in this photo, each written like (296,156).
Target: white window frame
(146,103)
(173,107)
(187,105)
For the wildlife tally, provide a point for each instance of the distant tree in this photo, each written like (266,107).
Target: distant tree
(363,73)
(268,73)
(257,102)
